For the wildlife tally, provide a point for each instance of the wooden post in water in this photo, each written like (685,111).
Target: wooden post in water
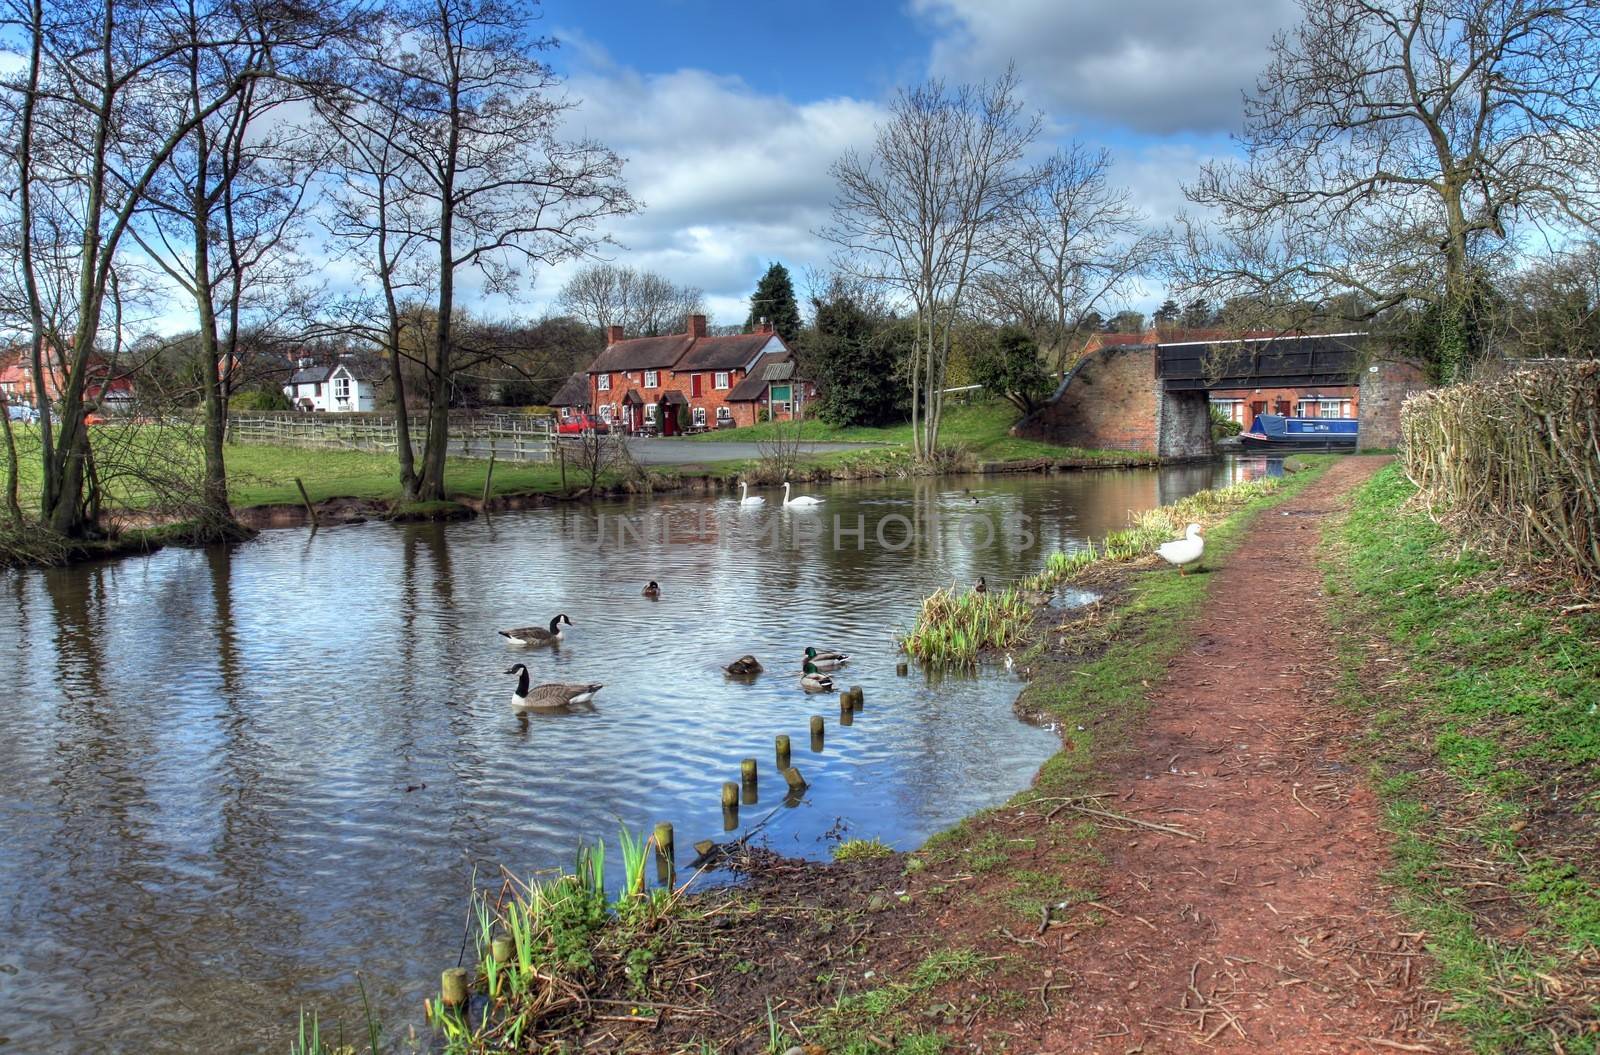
(664,853)
(795,781)
(747,771)
(847,700)
(488,480)
(782,744)
(857,699)
(816,732)
(730,795)
(502,950)
(730,818)
(847,711)
(311,510)
(453,989)
(902,668)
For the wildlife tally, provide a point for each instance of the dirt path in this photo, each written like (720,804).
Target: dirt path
(1270,932)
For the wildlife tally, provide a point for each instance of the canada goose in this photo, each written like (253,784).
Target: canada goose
(537,635)
(982,587)
(1185,551)
(744,496)
(803,501)
(651,590)
(813,680)
(744,666)
(826,660)
(552,696)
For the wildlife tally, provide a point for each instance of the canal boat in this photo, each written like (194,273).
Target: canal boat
(1277,432)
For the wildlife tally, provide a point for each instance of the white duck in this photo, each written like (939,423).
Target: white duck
(1185,551)
(804,501)
(745,498)
(551,696)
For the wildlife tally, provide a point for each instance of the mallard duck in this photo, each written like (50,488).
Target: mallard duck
(813,680)
(804,501)
(651,590)
(552,696)
(982,586)
(1185,551)
(826,660)
(744,666)
(745,498)
(537,635)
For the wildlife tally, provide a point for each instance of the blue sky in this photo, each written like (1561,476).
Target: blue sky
(730,113)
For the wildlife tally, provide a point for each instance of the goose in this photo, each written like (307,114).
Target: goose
(744,666)
(744,496)
(982,586)
(813,680)
(651,590)
(803,501)
(552,696)
(537,635)
(823,660)
(1185,551)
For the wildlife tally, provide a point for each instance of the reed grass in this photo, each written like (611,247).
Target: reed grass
(956,629)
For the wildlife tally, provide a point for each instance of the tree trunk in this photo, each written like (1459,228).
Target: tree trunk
(13,498)
(431,486)
(214,486)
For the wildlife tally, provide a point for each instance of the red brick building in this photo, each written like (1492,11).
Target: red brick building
(723,382)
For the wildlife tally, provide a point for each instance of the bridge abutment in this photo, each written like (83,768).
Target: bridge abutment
(1183,426)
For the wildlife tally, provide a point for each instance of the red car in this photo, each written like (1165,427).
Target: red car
(578,424)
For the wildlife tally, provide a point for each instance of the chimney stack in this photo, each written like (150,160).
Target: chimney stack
(697,326)
(764,326)
(613,335)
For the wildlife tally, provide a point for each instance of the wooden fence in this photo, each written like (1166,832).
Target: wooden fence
(508,437)
(1516,459)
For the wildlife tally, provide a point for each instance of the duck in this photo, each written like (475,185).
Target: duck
(804,501)
(744,666)
(1185,551)
(824,660)
(746,499)
(982,586)
(651,590)
(537,635)
(552,696)
(813,680)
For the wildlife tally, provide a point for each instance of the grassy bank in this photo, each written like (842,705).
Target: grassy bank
(1483,701)
(982,429)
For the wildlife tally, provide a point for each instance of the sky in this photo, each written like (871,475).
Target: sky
(730,113)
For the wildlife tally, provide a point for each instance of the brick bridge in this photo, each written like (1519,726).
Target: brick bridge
(1154,398)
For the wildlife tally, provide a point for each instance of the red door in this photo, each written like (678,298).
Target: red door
(695,381)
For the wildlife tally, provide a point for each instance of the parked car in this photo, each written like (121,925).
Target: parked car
(22,412)
(578,424)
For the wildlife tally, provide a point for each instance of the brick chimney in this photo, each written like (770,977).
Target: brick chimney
(697,326)
(613,334)
(764,326)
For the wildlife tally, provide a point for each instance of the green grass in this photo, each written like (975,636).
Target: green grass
(979,427)
(861,850)
(855,1023)
(1485,745)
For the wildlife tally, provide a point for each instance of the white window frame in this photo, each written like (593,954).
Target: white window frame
(341,388)
(650,413)
(602,383)
(719,380)
(699,415)
(652,379)
(724,413)
(1233,408)
(605,413)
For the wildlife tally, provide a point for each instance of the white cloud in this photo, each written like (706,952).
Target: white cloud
(1156,66)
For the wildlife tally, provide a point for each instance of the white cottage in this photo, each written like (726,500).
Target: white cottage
(347,385)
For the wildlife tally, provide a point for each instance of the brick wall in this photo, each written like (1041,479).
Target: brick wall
(1109,402)
(1386,384)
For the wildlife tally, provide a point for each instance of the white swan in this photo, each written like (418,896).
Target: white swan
(802,501)
(744,496)
(1185,551)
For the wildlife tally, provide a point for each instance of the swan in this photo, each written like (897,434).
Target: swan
(825,660)
(744,496)
(813,680)
(552,696)
(537,635)
(1185,551)
(803,501)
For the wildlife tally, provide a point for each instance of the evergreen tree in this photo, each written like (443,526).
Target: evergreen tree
(857,363)
(1168,313)
(1007,364)
(774,301)
(1197,314)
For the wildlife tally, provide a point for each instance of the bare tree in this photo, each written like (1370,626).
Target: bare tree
(479,124)
(1075,245)
(1396,149)
(643,303)
(924,212)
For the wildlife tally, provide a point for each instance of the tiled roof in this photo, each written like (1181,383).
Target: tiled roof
(723,353)
(641,353)
(574,392)
(754,385)
(314,374)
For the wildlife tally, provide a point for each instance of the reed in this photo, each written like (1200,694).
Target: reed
(954,628)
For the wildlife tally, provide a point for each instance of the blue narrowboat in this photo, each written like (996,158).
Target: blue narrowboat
(1276,432)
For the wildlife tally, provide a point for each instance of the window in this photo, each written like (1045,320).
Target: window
(699,415)
(1324,408)
(1233,409)
(724,414)
(650,413)
(720,381)
(602,383)
(605,413)
(652,378)
(566,412)
(341,388)
(318,390)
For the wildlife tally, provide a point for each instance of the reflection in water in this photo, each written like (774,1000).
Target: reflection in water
(252,773)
